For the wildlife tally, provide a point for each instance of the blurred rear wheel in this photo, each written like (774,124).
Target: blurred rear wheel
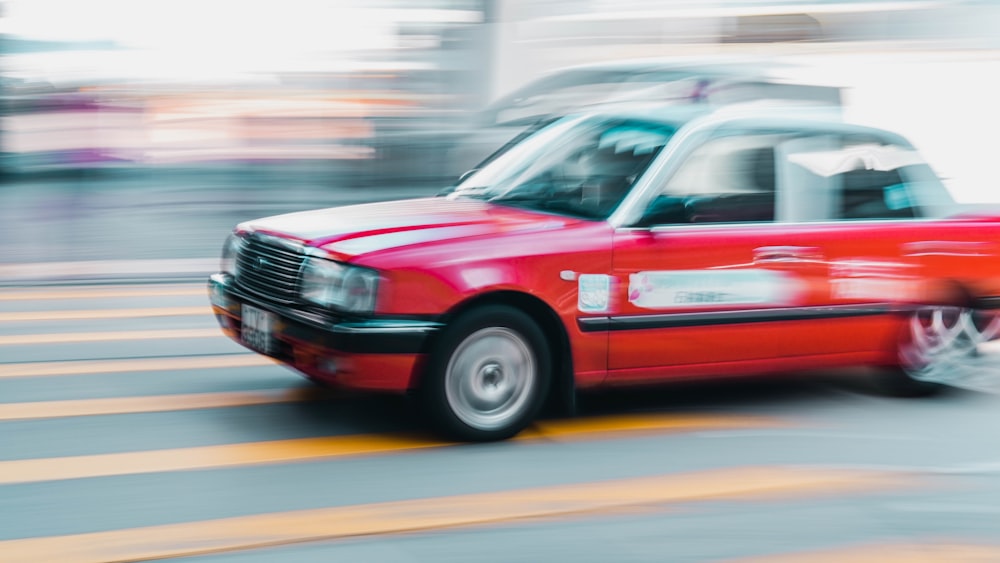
(937,347)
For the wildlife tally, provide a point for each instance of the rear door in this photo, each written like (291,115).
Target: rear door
(866,202)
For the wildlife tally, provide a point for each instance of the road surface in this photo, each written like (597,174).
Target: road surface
(130,429)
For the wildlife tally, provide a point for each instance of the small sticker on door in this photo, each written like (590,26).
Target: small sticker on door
(594,293)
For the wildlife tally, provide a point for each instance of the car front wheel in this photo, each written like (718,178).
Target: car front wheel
(488,376)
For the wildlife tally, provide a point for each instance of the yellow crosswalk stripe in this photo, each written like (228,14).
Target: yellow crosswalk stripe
(921,552)
(309,449)
(87,314)
(158,403)
(103,292)
(263,530)
(122,335)
(90,367)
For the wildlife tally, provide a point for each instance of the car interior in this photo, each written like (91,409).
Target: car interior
(744,185)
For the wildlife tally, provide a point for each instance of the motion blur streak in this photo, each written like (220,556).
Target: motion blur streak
(102,314)
(86,367)
(83,292)
(304,449)
(20,339)
(128,405)
(953,552)
(586,428)
(193,538)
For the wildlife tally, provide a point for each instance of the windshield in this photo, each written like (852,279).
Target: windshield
(577,166)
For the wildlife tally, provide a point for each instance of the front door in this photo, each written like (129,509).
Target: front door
(711,278)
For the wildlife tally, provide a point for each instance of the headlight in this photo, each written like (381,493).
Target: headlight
(331,284)
(229,252)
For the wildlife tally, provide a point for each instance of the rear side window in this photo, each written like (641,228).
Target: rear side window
(832,177)
(874,194)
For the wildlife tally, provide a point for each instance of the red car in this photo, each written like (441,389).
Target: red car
(625,248)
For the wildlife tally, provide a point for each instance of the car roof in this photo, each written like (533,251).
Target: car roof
(751,116)
(710,80)
(745,66)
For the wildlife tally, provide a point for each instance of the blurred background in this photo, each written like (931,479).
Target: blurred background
(134,134)
(178,118)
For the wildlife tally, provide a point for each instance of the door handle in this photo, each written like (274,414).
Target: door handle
(786,254)
(948,248)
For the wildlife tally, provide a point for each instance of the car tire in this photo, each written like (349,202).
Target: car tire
(935,347)
(488,375)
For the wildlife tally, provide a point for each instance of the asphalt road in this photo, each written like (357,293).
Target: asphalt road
(130,429)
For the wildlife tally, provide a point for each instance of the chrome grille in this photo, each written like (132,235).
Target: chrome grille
(269,267)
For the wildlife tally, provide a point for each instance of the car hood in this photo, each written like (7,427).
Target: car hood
(360,229)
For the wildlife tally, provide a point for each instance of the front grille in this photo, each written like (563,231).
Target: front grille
(269,267)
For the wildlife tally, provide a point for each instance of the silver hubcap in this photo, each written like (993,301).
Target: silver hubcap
(942,341)
(490,377)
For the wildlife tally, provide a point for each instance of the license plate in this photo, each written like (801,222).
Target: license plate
(256,330)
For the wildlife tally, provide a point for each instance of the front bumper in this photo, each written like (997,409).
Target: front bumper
(377,353)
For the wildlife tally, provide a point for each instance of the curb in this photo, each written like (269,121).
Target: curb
(108,271)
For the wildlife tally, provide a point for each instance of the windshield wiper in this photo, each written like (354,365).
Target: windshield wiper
(537,202)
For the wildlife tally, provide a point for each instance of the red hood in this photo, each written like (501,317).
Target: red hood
(360,229)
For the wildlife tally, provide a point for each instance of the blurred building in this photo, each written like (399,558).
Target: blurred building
(540,35)
(103,95)
(368,89)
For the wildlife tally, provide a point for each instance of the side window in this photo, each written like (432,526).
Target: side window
(874,194)
(728,179)
(835,177)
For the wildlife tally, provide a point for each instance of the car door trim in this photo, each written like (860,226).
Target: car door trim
(711,318)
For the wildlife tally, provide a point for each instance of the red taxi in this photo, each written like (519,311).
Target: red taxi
(626,248)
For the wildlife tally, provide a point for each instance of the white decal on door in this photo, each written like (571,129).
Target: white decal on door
(708,288)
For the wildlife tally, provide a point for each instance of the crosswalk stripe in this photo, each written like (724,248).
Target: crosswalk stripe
(116,336)
(308,449)
(274,529)
(918,552)
(102,292)
(89,367)
(158,403)
(63,315)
